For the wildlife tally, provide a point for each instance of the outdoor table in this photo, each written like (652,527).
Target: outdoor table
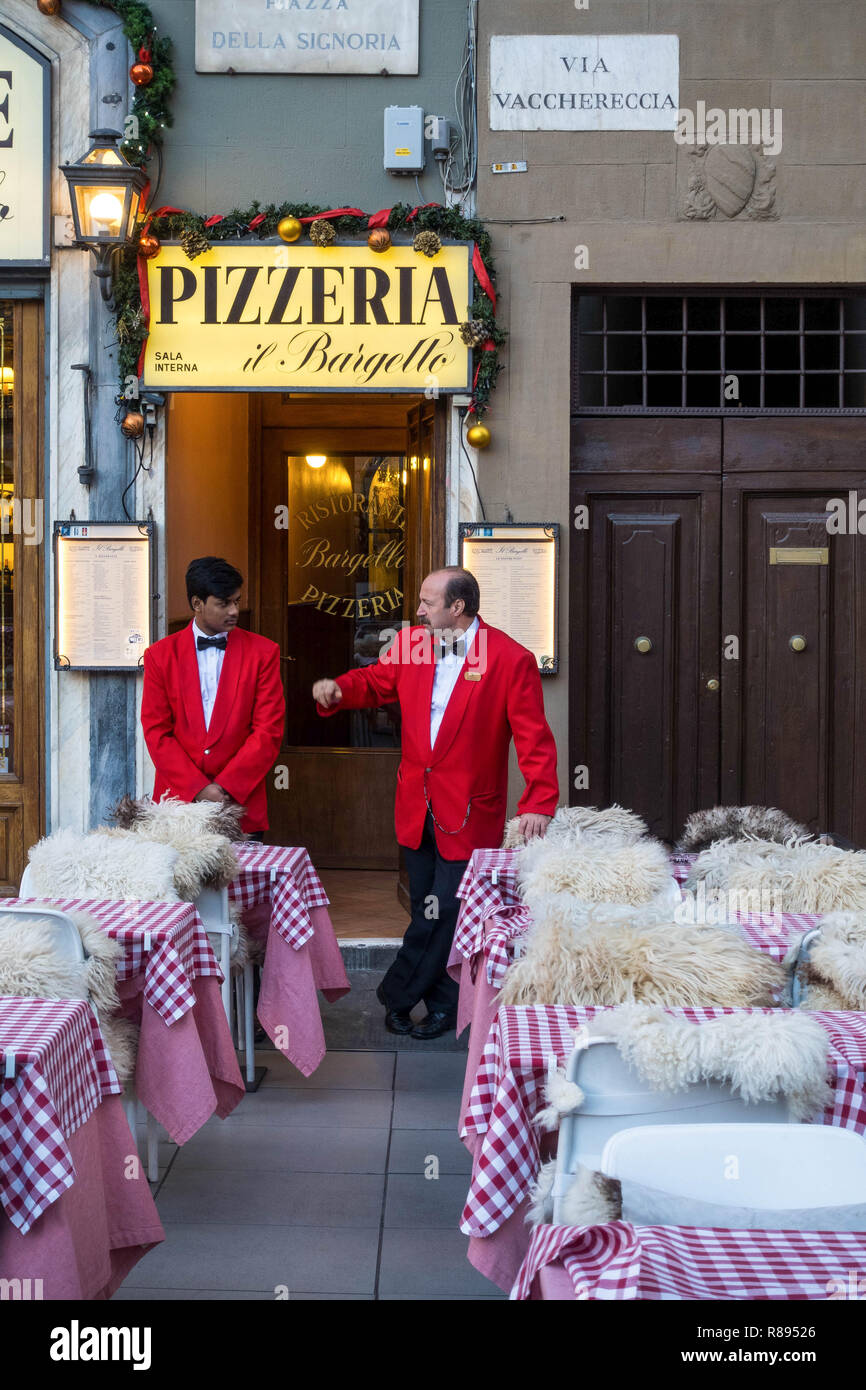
(286,906)
(622,1261)
(507,1094)
(168,981)
(77,1209)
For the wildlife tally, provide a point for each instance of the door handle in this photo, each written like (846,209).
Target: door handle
(643,644)
(797,643)
(712,684)
(288,658)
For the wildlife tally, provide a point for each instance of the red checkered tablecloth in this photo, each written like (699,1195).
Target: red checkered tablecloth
(166,942)
(285,877)
(507,1095)
(54,1071)
(621,1261)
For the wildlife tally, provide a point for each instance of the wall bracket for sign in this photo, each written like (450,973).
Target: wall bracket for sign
(104,594)
(516,564)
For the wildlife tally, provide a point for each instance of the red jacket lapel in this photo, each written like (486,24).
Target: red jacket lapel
(460,695)
(187,662)
(228,685)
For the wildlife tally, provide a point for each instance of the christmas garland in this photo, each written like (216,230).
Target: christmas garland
(154,77)
(257,223)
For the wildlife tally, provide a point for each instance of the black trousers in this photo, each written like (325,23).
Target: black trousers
(419,970)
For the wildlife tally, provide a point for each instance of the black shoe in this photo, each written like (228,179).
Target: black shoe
(396,1020)
(434,1025)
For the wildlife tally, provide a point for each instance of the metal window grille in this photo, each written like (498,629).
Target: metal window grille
(699,354)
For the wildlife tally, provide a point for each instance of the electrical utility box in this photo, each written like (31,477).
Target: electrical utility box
(404,139)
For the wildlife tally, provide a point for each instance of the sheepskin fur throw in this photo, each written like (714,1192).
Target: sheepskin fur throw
(607,955)
(31,968)
(592,870)
(190,817)
(591,1199)
(111,864)
(798,877)
(760,1056)
(703,828)
(834,975)
(200,831)
(575,822)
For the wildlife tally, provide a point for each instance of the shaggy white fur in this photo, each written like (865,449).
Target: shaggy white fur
(761,1056)
(835,974)
(573,822)
(593,870)
(609,954)
(31,968)
(736,822)
(115,864)
(802,876)
(196,830)
(591,1199)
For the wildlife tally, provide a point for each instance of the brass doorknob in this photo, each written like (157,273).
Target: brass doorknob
(797,644)
(712,684)
(643,644)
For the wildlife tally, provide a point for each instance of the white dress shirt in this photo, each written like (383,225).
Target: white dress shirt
(210,663)
(444,680)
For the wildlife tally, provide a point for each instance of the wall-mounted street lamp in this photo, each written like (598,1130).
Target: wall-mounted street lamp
(105,191)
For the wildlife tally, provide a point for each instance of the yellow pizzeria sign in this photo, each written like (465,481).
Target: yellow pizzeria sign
(276,317)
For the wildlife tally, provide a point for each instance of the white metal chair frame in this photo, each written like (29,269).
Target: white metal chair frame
(710,1098)
(795,991)
(212,905)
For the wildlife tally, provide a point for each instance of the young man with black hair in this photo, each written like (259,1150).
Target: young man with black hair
(213,708)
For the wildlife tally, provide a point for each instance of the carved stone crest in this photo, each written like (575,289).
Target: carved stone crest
(728,181)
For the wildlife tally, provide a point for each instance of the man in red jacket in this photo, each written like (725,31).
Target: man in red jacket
(465,689)
(213,709)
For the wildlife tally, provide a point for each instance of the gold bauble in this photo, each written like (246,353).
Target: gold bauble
(289,229)
(132,424)
(478,436)
(149,246)
(379,239)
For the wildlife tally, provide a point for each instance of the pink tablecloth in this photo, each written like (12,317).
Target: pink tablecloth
(507,1095)
(84,1245)
(286,906)
(168,981)
(621,1261)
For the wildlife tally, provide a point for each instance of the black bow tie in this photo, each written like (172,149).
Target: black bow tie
(202,643)
(455,648)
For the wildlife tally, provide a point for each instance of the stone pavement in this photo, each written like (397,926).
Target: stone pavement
(316,1188)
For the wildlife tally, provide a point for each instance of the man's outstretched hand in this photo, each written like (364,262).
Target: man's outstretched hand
(327,693)
(532,826)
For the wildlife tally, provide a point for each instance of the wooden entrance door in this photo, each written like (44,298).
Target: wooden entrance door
(338,571)
(685,517)
(21,615)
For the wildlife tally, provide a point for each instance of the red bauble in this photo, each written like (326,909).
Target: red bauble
(49,7)
(141,74)
(379,239)
(149,246)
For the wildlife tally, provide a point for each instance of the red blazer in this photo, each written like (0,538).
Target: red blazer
(467,769)
(246,727)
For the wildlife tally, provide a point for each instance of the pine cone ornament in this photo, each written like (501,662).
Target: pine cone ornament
(322,232)
(474,332)
(427,244)
(194,242)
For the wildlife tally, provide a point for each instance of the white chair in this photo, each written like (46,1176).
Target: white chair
(778,1167)
(25,889)
(213,908)
(67,939)
(616,1098)
(70,945)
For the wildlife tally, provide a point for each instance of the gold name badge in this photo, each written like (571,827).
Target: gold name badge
(472,676)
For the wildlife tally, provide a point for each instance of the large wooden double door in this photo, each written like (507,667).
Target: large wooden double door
(718,628)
